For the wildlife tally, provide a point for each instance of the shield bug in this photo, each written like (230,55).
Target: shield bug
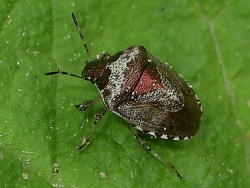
(145,92)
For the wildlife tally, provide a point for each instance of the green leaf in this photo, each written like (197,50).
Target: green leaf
(205,41)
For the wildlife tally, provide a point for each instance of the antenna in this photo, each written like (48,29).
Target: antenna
(81,35)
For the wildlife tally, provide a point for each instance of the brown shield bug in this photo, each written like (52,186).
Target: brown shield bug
(145,92)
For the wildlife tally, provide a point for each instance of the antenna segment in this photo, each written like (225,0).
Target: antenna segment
(81,35)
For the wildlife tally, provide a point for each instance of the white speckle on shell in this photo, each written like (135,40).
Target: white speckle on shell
(186,138)
(180,75)
(176,138)
(190,86)
(199,103)
(164,136)
(152,133)
(201,109)
(138,128)
(118,77)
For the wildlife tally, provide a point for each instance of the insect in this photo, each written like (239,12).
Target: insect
(145,92)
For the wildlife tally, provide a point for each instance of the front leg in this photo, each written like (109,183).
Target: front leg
(86,141)
(87,104)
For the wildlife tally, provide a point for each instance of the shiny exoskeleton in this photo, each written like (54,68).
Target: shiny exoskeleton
(145,92)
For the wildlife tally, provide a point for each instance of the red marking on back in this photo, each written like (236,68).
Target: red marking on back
(148,81)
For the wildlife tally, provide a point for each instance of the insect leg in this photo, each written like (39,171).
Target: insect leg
(152,152)
(86,141)
(87,104)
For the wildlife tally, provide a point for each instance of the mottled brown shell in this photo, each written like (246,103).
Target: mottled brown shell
(147,93)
